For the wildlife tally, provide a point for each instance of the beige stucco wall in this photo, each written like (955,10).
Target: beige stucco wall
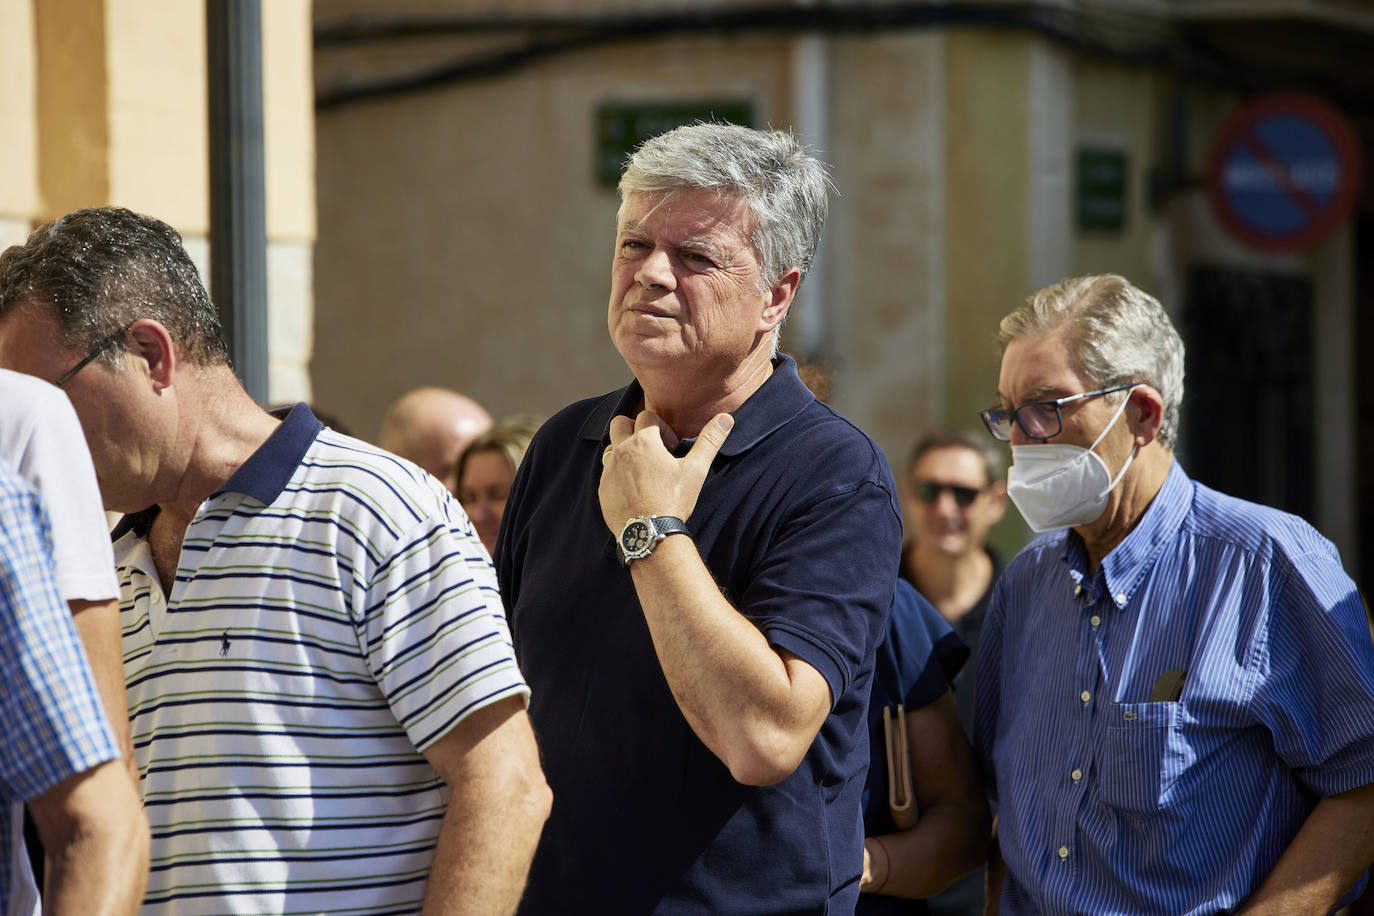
(1125,108)
(464,241)
(987,219)
(886,237)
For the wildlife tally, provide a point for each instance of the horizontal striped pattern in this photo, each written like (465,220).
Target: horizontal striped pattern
(50,714)
(309,648)
(1113,803)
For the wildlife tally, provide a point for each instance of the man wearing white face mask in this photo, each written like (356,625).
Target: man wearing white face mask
(1175,704)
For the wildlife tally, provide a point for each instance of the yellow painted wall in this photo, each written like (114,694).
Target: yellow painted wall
(104,102)
(18,106)
(288,114)
(73,117)
(159,155)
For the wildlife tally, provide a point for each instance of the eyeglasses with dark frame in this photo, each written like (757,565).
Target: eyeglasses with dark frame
(1038,419)
(928,492)
(96,351)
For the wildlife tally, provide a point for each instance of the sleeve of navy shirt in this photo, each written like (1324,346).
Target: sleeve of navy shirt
(823,587)
(919,655)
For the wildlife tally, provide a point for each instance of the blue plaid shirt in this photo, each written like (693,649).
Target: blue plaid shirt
(50,715)
(1120,795)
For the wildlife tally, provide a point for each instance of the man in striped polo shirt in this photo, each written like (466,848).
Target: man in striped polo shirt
(325,707)
(1175,698)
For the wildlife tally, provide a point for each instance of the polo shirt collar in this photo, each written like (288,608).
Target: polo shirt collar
(780,398)
(1125,567)
(263,476)
(266,472)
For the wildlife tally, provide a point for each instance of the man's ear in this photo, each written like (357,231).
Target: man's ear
(150,342)
(996,496)
(1145,414)
(779,300)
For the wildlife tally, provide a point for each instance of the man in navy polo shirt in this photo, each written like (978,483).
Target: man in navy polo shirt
(698,566)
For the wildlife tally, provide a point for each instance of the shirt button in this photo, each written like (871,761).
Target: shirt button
(1077,590)
(1077,775)
(1063,852)
(1095,621)
(1085,696)
(1121,598)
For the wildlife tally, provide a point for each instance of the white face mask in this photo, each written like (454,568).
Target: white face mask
(1059,486)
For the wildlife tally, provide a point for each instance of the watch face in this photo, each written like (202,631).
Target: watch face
(635,538)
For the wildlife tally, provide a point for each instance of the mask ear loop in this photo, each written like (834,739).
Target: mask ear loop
(1134,448)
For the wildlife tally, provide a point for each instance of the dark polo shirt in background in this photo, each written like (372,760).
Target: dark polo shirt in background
(798,523)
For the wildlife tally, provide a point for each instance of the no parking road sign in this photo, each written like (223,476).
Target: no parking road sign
(1284,172)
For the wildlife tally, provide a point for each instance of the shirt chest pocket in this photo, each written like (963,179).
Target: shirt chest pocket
(1140,760)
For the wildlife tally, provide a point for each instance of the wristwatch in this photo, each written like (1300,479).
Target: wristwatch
(641,535)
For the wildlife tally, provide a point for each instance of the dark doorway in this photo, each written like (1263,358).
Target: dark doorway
(1248,404)
(1364,391)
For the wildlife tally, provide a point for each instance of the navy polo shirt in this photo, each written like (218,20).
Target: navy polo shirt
(798,522)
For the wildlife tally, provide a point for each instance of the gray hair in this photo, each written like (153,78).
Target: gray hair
(97,270)
(785,188)
(993,457)
(1119,334)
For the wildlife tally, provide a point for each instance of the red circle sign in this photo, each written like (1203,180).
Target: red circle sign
(1284,172)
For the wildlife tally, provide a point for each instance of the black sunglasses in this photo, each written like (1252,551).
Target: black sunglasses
(928,492)
(98,349)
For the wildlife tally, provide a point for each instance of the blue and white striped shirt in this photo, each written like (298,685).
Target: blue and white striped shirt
(333,616)
(1112,803)
(50,715)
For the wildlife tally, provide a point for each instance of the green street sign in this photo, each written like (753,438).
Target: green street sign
(1100,187)
(620,127)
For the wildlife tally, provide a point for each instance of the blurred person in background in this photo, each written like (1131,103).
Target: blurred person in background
(954,493)
(60,755)
(431,426)
(919,655)
(1175,705)
(486,469)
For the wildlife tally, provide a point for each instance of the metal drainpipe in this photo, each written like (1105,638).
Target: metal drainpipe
(810,85)
(238,210)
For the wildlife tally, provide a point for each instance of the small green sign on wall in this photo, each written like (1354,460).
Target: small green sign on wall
(1101,188)
(620,127)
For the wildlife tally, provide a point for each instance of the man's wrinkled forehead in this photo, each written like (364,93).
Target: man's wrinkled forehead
(729,219)
(651,202)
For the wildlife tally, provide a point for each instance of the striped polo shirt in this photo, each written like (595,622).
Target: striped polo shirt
(1156,732)
(333,615)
